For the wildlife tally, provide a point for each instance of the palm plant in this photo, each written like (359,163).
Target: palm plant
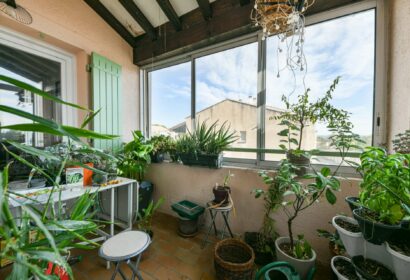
(56,233)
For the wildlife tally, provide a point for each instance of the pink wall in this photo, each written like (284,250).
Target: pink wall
(73,26)
(178,182)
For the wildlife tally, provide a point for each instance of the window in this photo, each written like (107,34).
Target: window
(242,137)
(236,82)
(223,95)
(340,47)
(170,90)
(43,66)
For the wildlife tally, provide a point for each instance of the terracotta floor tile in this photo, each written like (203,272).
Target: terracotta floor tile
(166,247)
(167,274)
(170,262)
(149,266)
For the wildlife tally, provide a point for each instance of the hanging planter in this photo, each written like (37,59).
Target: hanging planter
(354,202)
(374,232)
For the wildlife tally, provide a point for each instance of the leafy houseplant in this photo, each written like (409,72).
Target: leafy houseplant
(161,145)
(56,233)
(135,157)
(298,116)
(385,194)
(145,216)
(205,144)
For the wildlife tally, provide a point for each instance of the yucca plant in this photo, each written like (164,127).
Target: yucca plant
(55,233)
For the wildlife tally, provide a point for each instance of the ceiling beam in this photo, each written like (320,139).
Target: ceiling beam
(169,11)
(244,2)
(205,8)
(115,24)
(139,17)
(229,21)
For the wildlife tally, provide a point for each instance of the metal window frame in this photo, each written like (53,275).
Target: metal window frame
(380,79)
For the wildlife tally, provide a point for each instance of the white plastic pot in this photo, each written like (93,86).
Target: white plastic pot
(377,253)
(301,266)
(401,263)
(339,276)
(353,241)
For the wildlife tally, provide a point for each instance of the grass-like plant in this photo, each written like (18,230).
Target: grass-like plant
(56,233)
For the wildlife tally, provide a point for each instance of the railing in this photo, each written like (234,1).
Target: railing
(279,151)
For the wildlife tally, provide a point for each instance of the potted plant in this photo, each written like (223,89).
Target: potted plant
(350,234)
(263,242)
(298,116)
(398,248)
(222,193)
(144,221)
(300,196)
(372,270)
(161,145)
(134,158)
(204,146)
(343,268)
(385,194)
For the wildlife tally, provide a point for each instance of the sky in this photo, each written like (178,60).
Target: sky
(341,47)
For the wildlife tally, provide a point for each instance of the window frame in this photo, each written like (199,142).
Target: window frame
(67,61)
(380,80)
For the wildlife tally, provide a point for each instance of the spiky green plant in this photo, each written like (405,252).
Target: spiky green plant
(209,140)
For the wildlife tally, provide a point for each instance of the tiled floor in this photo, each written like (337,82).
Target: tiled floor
(169,257)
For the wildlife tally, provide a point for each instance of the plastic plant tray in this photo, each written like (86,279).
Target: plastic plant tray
(188,209)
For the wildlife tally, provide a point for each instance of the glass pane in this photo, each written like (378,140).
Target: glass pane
(341,47)
(170,100)
(38,72)
(226,90)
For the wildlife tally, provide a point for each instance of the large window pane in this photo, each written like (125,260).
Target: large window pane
(39,72)
(226,91)
(341,47)
(170,90)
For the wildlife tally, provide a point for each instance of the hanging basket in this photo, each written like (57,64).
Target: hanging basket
(233,260)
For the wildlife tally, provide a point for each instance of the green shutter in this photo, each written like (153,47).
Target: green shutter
(106,89)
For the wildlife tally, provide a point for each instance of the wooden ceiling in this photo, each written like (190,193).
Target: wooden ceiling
(164,28)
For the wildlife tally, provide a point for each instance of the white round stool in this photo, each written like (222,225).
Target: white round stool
(124,246)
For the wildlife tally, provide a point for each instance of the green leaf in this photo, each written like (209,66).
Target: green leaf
(79,132)
(89,118)
(330,196)
(283,147)
(39,92)
(325,171)
(284,132)
(34,151)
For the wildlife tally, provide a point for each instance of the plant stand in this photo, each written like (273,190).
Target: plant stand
(213,212)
